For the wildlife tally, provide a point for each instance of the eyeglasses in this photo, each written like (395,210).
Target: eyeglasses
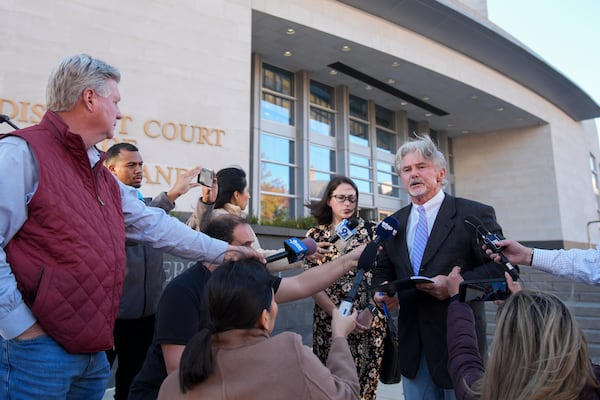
(340,198)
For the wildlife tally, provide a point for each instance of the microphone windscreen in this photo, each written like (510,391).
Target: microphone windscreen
(386,228)
(311,246)
(353,223)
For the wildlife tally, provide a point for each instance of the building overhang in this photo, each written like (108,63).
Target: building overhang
(481,40)
(466,109)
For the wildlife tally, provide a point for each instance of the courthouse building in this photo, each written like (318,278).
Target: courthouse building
(295,91)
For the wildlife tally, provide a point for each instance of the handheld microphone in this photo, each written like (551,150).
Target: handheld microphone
(490,240)
(6,118)
(345,230)
(295,250)
(386,229)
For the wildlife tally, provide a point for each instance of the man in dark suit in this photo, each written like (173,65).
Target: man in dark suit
(432,240)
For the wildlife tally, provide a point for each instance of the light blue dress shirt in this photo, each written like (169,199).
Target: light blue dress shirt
(147,225)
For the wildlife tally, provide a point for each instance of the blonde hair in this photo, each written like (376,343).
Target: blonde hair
(538,352)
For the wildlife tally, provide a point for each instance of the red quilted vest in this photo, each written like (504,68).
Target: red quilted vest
(69,256)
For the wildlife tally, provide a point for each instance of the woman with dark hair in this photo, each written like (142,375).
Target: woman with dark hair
(338,202)
(237,358)
(538,351)
(229,194)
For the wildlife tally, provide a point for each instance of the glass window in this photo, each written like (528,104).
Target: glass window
(274,208)
(278,80)
(277,177)
(358,108)
(318,182)
(386,137)
(413,128)
(386,141)
(434,137)
(277,109)
(387,180)
(321,95)
(322,116)
(322,169)
(322,159)
(276,148)
(360,172)
(359,133)
(277,95)
(384,117)
(321,122)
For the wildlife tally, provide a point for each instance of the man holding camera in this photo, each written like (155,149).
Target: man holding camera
(144,271)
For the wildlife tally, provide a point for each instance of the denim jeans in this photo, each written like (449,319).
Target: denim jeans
(422,386)
(40,368)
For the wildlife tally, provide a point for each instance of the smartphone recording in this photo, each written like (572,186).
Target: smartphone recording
(484,290)
(205,177)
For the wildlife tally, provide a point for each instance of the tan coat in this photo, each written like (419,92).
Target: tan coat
(247,367)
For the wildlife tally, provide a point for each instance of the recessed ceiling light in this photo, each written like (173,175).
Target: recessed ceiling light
(368,87)
(450,125)
(287,54)
(390,81)
(346,48)
(396,64)
(499,109)
(290,31)
(403,103)
(474,97)
(428,114)
(464,131)
(333,72)
(425,98)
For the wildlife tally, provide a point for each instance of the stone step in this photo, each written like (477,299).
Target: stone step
(592,335)
(587,314)
(594,349)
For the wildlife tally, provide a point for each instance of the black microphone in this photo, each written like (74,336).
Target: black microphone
(386,229)
(5,118)
(295,250)
(490,239)
(344,230)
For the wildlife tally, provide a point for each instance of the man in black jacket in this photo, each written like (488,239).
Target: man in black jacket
(144,271)
(432,240)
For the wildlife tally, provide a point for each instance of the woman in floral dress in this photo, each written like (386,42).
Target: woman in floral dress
(339,202)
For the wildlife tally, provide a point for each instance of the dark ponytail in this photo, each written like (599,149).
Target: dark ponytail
(237,293)
(196,361)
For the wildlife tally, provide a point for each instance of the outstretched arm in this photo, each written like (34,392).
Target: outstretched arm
(318,278)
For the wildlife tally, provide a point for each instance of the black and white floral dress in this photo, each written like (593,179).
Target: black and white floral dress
(367,347)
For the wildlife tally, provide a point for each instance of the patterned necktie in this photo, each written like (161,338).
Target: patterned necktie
(420,241)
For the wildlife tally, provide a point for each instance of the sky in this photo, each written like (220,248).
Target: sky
(564,33)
